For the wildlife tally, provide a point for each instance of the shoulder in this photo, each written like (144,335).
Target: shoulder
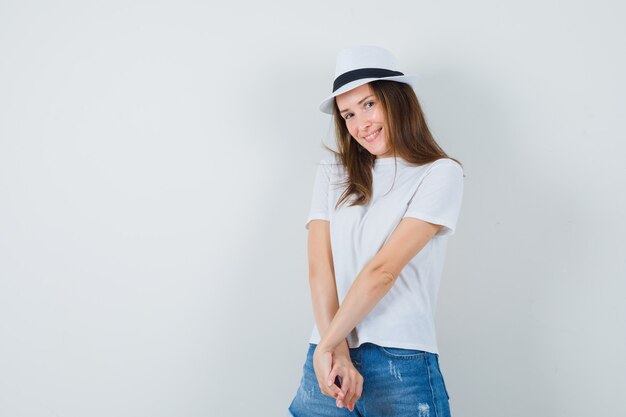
(445,166)
(330,159)
(331,165)
(442,172)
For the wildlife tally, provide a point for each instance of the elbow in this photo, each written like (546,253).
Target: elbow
(381,280)
(321,280)
(386,278)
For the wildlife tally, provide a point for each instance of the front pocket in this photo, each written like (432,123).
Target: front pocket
(398,353)
(443,381)
(445,389)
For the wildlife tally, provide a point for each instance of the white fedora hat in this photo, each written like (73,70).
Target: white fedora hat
(359,65)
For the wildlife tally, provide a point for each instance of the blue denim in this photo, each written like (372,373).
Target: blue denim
(396,382)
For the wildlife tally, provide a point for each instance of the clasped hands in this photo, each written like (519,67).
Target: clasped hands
(330,364)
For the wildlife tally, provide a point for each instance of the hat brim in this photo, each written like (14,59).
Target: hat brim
(326,106)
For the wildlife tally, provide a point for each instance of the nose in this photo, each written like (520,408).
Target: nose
(364,123)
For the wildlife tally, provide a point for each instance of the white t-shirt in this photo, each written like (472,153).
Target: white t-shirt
(404,317)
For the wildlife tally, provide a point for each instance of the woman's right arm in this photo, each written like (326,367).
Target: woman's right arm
(325,304)
(322,275)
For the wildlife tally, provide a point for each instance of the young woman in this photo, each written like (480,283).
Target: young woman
(382,210)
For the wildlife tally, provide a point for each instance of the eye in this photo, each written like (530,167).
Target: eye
(347,116)
(369,104)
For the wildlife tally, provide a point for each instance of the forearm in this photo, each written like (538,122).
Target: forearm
(369,287)
(325,304)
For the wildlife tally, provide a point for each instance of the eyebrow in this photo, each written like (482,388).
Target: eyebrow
(359,103)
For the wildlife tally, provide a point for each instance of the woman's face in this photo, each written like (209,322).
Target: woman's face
(365,119)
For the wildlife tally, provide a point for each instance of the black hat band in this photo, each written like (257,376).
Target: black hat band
(361,73)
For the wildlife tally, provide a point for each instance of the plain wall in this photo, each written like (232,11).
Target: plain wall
(156,167)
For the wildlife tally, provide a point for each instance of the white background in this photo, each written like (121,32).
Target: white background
(156,168)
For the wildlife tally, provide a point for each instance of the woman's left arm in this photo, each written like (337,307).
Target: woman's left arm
(376,279)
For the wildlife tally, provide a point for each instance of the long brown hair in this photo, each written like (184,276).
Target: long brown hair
(408,135)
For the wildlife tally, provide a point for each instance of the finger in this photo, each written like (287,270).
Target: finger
(332,376)
(329,365)
(339,403)
(350,391)
(355,390)
(347,376)
(339,374)
(326,391)
(339,382)
(346,382)
(359,388)
(332,391)
(329,388)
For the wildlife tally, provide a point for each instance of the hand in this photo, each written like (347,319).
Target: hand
(328,366)
(322,364)
(351,380)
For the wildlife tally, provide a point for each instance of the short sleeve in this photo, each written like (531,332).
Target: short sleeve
(319,199)
(439,195)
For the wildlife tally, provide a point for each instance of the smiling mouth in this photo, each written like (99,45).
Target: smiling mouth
(371,137)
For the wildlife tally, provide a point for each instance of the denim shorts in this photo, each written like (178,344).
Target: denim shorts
(396,382)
